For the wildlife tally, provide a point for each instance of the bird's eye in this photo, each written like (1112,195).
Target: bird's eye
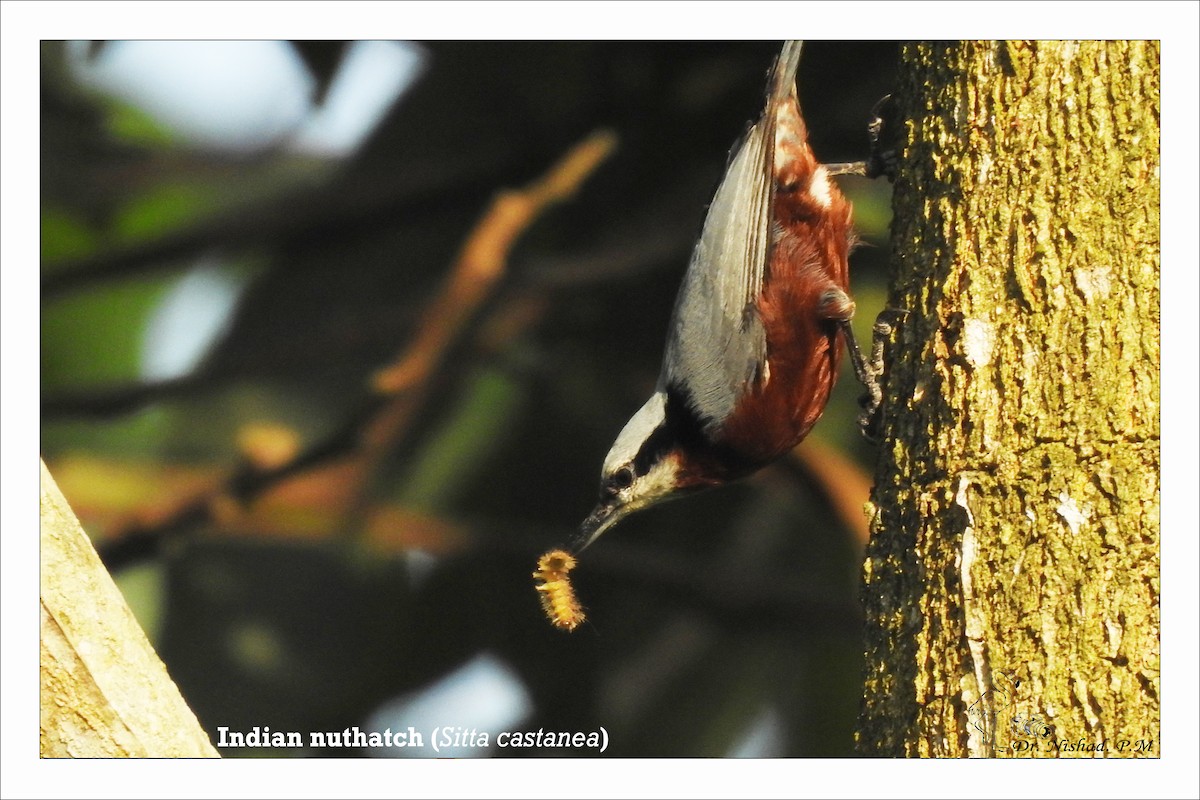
(622,478)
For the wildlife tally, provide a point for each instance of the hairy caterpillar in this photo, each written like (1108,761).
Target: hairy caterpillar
(555,592)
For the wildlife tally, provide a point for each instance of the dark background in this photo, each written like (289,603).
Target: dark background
(298,603)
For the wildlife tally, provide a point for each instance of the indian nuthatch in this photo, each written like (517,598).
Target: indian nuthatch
(753,352)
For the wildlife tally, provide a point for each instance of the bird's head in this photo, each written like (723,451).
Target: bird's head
(662,453)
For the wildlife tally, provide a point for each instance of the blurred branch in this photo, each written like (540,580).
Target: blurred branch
(307,508)
(482,263)
(400,389)
(843,484)
(102,403)
(472,281)
(612,260)
(300,214)
(484,258)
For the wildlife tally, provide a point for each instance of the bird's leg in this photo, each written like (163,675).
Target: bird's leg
(847,168)
(870,417)
(866,372)
(883,158)
(837,307)
(869,375)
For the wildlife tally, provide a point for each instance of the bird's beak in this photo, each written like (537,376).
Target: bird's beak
(606,514)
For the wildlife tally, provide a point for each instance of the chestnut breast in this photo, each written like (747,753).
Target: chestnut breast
(808,257)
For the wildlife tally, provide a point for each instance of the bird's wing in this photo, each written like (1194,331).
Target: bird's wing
(717,342)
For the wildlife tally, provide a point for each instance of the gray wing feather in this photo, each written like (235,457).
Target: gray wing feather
(717,342)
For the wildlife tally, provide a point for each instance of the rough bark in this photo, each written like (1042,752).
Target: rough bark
(104,691)
(1012,578)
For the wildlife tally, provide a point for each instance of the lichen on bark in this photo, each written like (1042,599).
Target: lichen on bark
(1013,566)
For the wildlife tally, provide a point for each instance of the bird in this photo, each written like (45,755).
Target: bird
(753,346)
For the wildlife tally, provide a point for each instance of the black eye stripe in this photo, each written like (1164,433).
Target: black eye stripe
(652,449)
(682,428)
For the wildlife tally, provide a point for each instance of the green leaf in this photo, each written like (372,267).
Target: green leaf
(65,237)
(95,338)
(473,432)
(164,208)
(130,124)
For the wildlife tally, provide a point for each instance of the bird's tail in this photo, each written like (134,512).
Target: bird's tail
(788,158)
(783,76)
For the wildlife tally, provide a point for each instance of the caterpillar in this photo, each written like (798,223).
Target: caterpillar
(555,592)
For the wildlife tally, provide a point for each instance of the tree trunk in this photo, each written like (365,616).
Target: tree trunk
(1012,578)
(104,692)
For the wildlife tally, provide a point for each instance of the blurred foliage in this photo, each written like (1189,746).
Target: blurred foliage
(303,608)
